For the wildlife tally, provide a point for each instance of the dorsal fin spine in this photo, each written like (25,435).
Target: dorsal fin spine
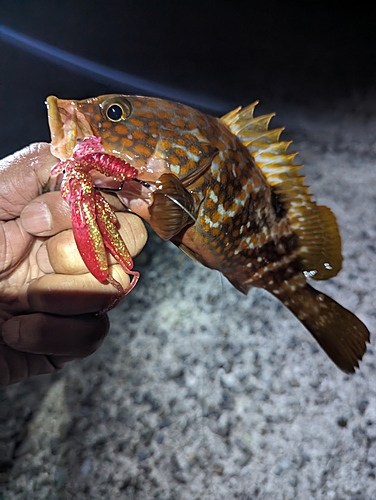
(316,227)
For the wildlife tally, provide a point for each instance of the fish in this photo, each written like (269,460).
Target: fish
(229,194)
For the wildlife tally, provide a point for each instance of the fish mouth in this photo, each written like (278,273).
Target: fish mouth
(67,125)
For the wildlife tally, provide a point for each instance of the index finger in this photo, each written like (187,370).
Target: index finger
(22,178)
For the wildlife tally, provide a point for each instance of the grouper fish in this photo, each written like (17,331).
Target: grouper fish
(228,193)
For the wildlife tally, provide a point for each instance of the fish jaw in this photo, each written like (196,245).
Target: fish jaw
(68,126)
(139,198)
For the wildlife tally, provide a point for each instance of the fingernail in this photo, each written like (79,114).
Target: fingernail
(43,260)
(36,218)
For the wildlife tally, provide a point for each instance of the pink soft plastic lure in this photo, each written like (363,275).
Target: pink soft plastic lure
(93,220)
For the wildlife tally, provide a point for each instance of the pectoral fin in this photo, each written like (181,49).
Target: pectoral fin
(172,208)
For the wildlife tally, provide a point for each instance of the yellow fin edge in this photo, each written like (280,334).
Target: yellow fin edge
(316,226)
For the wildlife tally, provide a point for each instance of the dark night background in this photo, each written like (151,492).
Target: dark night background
(314,54)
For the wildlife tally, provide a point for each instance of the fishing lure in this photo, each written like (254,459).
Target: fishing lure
(94,222)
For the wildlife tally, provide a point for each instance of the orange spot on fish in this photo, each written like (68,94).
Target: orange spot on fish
(164,115)
(151,141)
(141,149)
(151,103)
(147,115)
(183,170)
(210,205)
(121,129)
(190,137)
(138,134)
(170,133)
(165,145)
(216,216)
(193,149)
(107,134)
(182,112)
(190,164)
(136,103)
(180,152)
(233,206)
(174,160)
(171,105)
(180,141)
(126,142)
(216,189)
(136,122)
(180,123)
(206,227)
(201,121)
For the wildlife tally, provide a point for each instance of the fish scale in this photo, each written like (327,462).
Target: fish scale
(227,192)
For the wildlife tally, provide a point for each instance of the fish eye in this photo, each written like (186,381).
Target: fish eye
(115,107)
(115,112)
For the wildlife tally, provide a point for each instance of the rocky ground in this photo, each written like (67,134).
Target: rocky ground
(201,393)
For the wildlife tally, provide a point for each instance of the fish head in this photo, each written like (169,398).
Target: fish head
(72,120)
(155,136)
(135,128)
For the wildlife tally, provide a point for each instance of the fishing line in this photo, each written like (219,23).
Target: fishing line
(174,200)
(107,75)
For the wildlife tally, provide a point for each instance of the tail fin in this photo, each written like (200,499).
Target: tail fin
(338,331)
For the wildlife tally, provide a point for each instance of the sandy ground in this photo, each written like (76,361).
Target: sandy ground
(201,393)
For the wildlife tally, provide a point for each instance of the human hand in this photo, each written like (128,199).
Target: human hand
(47,297)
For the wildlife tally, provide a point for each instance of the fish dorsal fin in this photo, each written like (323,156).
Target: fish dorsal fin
(316,227)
